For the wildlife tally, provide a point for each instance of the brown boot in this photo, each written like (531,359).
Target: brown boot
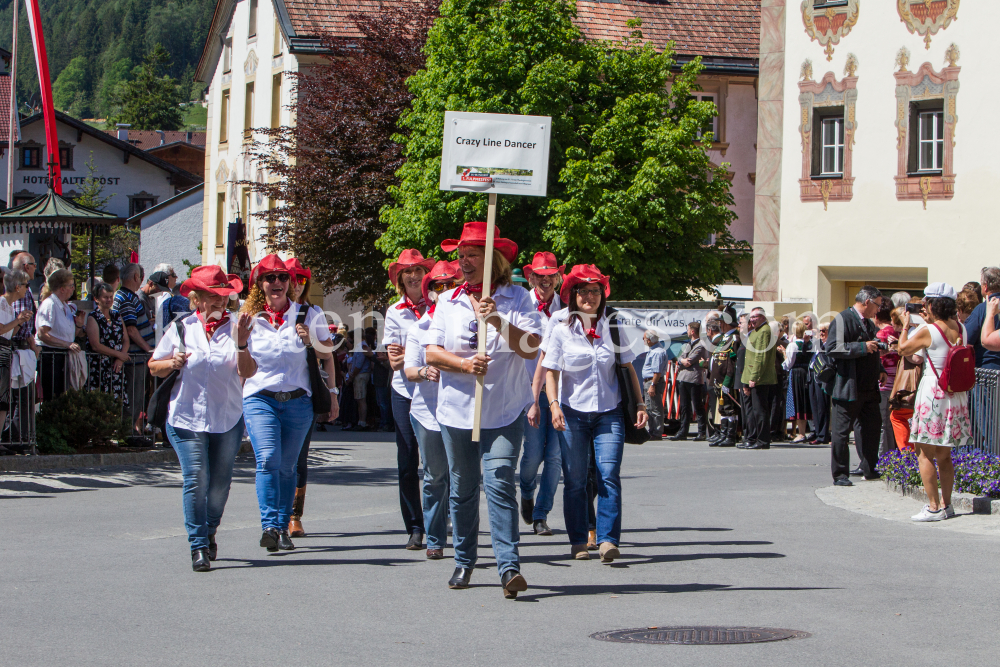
(592,541)
(295,524)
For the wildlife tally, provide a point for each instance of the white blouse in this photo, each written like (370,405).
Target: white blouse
(7,316)
(543,320)
(58,316)
(425,394)
(507,390)
(207,396)
(397,323)
(587,381)
(280,354)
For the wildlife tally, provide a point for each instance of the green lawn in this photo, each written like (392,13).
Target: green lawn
(195,117)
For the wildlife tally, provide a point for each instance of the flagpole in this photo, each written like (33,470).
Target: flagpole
(491,218)
(13,115)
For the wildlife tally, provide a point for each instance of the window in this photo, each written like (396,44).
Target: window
(252,30)
(66,157)
(930,138)
(276,100)
(710,124)
(140,204)
(220,220)
(828,3)
(224,118)
(832,146)
(277,39)
(31,158)
(227,55)
(248,113)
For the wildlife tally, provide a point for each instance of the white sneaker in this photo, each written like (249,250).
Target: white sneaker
(949,512)
(927,515)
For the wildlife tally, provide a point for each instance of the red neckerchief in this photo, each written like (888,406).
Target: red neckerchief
(544,306)
(592,332)
(277,316)
(475,290)
(210,327)
(409,305)
(430,309)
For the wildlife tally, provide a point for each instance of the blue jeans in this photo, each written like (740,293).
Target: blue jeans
(540,444)
(207,467)
(435,492)
(277,431)
(498,450)
(407,465)
(607,432)
(384,407)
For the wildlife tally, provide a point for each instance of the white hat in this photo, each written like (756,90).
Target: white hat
(938,290)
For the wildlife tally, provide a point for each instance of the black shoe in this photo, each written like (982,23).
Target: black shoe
(843,481)
(213,548)
(513,583)
(461,577)
(701,437)
(285,542)
(857,472)
(199,560)
(759,445)
(269,539)
(676,438)
(542,528)
(873,477)
(527,507)
(718,436)
(743,445)
(416,540)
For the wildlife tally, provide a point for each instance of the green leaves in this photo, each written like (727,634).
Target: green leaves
(631,187)
(150,100)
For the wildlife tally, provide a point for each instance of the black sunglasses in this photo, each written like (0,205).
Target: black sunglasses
(276,277)
(474,328)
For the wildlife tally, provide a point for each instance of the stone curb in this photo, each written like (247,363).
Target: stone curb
(963,502)
(75,461)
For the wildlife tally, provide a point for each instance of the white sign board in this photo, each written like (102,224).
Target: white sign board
(669,324)
(499,153)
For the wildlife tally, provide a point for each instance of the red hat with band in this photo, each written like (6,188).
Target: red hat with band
(296,269)
(270,264)
(544,264)
(407,260)
(583,274)
(212,279)
(474,233)
(441,272)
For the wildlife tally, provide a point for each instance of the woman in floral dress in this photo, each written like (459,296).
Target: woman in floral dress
(940,418)
(106,333)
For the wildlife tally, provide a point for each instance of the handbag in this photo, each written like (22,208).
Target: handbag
(159,400)
(630,402)
(322,404)
(904,386)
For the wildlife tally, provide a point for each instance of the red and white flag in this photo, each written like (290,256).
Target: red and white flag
(45,84)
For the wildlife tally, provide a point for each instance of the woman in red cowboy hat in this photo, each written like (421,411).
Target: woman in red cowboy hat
(406,274)
(512,333)
(205,417)
(541,443)
(586,407)
(300,282)
(422,412)
(276,400)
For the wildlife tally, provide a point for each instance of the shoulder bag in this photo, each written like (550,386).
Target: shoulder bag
(322,404)
(159,401)
(630,402)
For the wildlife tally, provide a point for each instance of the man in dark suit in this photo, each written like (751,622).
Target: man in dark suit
(854,389)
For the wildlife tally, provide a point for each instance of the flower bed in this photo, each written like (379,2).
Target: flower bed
(976,471)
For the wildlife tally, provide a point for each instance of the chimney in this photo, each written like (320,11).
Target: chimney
(123,131)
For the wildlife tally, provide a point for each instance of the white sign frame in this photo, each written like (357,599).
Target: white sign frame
(459,156)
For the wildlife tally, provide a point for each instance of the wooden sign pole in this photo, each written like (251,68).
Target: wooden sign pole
(491,219)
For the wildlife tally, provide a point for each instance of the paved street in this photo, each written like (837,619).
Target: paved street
(96,572)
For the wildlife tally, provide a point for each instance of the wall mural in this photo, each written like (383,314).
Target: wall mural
(927,17)
(828,25)
(926,85)
(828,93)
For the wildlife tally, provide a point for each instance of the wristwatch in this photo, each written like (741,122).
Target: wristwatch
(335,391)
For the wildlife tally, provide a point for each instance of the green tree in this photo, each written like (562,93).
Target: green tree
(115,74)
(150,100)
(631,187)
(70,90)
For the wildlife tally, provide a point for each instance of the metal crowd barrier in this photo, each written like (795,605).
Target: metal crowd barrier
(984,408)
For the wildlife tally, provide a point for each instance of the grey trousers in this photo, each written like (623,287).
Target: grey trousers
(654,406)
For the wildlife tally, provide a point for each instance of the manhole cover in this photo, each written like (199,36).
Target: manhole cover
(700,634)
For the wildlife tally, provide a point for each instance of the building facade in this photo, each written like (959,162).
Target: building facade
(864,172)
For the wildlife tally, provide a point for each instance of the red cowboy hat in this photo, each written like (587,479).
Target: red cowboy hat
(295,267)
(474,233)
(212,279)
(408,259)
(270,264)
(544,264)
(442,271)
(583,273)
